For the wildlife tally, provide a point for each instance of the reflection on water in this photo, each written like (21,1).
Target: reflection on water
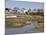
(21,30)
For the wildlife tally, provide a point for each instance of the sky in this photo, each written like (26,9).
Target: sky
(23,4)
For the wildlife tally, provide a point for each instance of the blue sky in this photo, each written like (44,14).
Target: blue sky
(24,4)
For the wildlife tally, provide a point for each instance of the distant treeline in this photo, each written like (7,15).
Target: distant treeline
(24,11)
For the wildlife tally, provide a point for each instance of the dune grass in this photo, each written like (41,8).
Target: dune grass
(21,20)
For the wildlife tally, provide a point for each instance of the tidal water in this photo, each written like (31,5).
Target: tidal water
(21,30)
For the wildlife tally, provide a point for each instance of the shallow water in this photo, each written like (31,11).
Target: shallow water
(21,30)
